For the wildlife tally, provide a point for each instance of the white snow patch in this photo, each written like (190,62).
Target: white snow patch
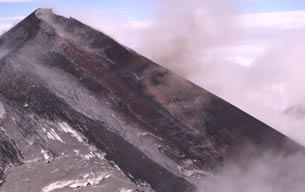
(53,135)
(97,153)
(76,151)
(86,176)
(100,155)
(67,129)
(116,118)
(76,183)
(3,130)
(89,156)
(2,111)
(32,161)
(126,190)
(138,78)
(117,167)
(92,154)
(46,156)
(145,134)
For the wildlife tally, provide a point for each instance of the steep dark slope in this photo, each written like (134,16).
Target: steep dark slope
(93,114)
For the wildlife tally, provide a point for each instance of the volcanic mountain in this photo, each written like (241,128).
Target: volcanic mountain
(81,112)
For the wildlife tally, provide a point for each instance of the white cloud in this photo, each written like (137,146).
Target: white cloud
(8,22)
(144,24)
(12,18)
(285,20)
(270,87)
(243,61)
(5,26)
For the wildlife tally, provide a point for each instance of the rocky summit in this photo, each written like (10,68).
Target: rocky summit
(81,112)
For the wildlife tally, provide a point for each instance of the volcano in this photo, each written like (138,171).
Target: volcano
(81,112)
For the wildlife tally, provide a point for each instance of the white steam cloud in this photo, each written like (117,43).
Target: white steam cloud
(268,173)
(254,61)
(185,33)
(259,67)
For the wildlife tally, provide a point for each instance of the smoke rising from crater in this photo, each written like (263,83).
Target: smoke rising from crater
(186,31)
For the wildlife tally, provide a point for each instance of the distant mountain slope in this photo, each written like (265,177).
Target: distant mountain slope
(79,110)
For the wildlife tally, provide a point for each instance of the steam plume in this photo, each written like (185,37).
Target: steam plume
(197,39)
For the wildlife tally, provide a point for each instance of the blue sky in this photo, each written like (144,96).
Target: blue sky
(132,9)
(259,6)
